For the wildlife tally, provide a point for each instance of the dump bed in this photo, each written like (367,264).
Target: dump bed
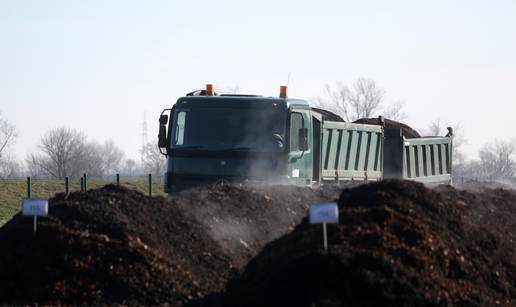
(426,159)
(351,151)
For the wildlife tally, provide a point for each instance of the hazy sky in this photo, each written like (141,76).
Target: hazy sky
(98,66)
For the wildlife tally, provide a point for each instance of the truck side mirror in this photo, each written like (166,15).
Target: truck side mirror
(162,136)
(303,139)
(163,119)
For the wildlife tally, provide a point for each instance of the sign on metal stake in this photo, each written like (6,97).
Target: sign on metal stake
(35,207)
(324,213)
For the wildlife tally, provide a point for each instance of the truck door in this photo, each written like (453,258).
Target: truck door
(300,153)
(316,124)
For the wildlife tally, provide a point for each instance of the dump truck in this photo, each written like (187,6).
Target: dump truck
(250,138)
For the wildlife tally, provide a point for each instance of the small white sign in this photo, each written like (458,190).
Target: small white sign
(324,213)
(35,207)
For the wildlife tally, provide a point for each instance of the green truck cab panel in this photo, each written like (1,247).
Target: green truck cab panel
(219,138)
(300,160)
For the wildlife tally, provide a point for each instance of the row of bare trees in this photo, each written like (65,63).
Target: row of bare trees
(65,152)
(9,167)
(497,161)
(363,99)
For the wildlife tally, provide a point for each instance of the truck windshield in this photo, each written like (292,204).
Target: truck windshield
(245,129)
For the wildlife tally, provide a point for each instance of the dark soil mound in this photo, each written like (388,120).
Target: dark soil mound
(117,246)
(328,115)
(397,244)
(244,219)
(406,131)
(109,245)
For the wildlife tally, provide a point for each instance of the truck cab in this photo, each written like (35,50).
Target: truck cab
(237,138)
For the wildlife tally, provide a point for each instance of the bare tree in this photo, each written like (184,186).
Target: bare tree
(363,100)
(130,167)
(62,154)
(337,100)
(497,160)
(394,110)
(7,135)
(153,161)
(365,97)
(439,127)
(91,160)
(66,152)
(10,168)
(112,157)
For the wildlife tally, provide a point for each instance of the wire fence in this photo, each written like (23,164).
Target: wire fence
(148,184)
(14,190)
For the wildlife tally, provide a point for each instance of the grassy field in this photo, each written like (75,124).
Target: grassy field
(13,191)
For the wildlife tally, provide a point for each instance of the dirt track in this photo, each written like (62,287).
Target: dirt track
(397,244)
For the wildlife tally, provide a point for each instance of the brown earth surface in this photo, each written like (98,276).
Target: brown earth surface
(398,243)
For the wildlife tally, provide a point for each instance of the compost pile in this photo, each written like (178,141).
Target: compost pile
(398,243)
(243,219)
(109,245)
(406,130)
(117,246)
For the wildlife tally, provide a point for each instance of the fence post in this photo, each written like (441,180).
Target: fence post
(118,179)
(67,185)
(85,182)
(29,190)
(82,184)
(150,185)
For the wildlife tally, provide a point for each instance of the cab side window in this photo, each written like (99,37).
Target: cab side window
(180,128)
(296,123)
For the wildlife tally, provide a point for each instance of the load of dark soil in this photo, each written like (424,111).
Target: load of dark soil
(328,115)
(397,243)
(406,131)
(117,246)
